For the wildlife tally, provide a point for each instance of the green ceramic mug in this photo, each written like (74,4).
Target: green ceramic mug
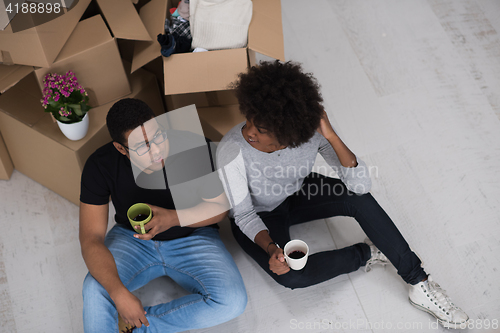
(139,211)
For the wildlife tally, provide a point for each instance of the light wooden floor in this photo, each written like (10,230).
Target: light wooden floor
(413,88)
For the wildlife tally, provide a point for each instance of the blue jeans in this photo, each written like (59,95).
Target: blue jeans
(322,197)
(199,263)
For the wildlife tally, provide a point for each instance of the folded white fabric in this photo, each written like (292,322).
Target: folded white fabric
(220,24)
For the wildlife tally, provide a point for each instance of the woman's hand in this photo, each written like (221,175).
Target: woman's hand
(325,128)
(277,263)
(162,220)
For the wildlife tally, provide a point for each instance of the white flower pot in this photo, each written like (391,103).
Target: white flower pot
(75,131)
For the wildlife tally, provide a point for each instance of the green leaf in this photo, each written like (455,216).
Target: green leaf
(53,103)
(85,107)
(63,119)
(52,109)
(77,108)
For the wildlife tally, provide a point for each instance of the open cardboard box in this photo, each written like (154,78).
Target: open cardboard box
(40,44)
(212,70)
(38,148)
(92,54)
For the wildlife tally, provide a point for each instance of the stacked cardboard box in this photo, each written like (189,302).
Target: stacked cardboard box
(59,42)
(89,47)
(40,44)
(95,61)
(39,149)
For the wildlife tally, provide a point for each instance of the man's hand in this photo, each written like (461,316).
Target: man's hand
(130,309)
(325,128)
(277,262)
(162,220)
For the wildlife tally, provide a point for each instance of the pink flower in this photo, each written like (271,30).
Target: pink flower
(57,88)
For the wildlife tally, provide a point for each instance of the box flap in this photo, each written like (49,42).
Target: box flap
(203,71)
(265,34)
(6,17)
(6,166)
(10,75)
(87,34)
(22,101)
(123,19)
(153,15)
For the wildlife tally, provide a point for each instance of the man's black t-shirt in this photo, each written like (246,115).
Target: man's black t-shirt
(107,173)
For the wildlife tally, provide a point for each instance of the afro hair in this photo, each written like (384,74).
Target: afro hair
(281,98)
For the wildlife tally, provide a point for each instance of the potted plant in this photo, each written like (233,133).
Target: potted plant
(67,101)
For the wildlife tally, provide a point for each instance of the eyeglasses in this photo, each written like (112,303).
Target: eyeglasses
(159,137)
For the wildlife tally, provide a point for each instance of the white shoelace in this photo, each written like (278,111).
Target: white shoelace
(440,295)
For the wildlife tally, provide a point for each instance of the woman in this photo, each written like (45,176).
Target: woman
(265,164)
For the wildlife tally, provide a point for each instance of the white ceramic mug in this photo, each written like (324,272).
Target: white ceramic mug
(296,245)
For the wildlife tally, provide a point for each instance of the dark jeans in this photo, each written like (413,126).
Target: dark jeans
(321,197)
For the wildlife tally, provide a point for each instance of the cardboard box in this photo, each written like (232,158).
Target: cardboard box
(92,54)
(10,75)
(213,70)
(216,121)
(218,111)
(40,44)
(201,100)
(39,149)
(6,166)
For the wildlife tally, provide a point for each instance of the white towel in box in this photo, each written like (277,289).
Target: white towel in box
(220,24)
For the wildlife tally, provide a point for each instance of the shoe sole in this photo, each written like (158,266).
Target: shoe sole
(368,268)
(443,323)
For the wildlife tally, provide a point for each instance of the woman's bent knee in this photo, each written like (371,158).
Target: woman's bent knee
(291,280)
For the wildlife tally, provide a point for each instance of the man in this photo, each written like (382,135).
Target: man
(265,164)
(144,163)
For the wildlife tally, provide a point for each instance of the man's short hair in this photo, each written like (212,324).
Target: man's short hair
(281,98)
(127,114)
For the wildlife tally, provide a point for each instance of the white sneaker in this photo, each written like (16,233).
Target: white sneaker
(377,257)
(429,297)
